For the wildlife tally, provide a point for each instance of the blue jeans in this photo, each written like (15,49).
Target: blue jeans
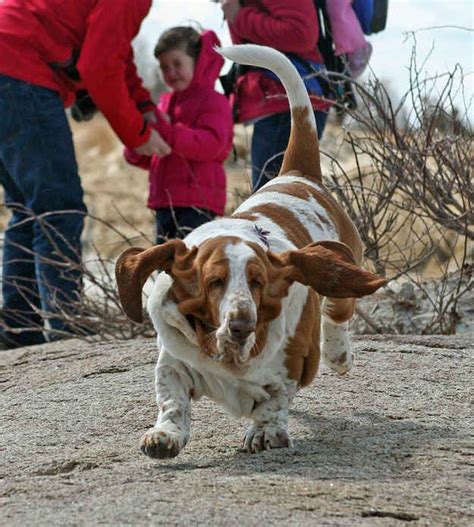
(42,248)
(179,222)
(269,141)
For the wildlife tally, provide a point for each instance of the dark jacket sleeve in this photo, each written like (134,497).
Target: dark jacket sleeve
(289,26)
(104,65)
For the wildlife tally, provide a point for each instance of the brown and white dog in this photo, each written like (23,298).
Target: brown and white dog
(237,307)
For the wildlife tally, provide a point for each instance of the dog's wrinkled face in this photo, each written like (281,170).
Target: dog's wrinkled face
(229,289)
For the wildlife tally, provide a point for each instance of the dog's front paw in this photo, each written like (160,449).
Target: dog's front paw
(162,442)
(263,438)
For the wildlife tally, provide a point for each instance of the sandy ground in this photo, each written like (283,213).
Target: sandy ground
(387,445)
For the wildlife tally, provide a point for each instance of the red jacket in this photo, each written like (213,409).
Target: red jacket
(200,136)
(35,33)
(291,27)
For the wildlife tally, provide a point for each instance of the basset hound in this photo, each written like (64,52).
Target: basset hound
(244,303)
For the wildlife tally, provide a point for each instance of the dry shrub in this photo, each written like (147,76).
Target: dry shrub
(411,194)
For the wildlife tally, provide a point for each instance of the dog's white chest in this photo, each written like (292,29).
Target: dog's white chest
(238,393)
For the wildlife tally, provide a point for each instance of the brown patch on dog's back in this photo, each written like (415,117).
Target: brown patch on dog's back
(345,228)
(302,350)
(244,216)
(295,231)
(298,189)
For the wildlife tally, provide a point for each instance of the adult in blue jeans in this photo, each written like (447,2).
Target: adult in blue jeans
(38,171)
(49,52)
(258,96)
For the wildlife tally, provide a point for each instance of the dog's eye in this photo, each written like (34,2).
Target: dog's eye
(216,283)
(255,284)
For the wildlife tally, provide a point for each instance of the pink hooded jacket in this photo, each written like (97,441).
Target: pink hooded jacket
(200,136)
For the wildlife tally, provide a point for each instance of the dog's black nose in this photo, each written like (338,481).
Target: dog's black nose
(241,329)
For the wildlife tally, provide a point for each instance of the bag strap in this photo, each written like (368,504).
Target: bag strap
(341,88)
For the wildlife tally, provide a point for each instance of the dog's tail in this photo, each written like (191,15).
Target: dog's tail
(302,152)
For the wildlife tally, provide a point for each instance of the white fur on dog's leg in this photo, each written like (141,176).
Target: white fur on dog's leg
(171,432)
(335,346)
(270,428)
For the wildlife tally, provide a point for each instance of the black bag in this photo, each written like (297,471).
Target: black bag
(229,80)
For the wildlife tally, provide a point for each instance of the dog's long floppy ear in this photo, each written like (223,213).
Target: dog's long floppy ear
(330,269)
(135,265)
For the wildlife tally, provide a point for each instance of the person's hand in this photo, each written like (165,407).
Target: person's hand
(150,117)
(155,145)
(230,9)
(164,116)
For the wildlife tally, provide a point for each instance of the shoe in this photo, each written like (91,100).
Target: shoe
(358,60)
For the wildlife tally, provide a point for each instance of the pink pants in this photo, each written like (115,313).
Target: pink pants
(346,31)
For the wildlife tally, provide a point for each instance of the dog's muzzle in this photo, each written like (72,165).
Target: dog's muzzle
(236,337)
(241,329)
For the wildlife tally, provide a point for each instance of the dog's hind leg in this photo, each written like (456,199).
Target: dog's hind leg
(174,386)
(336,349)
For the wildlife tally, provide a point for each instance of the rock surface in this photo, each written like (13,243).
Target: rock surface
(402,308)
(386,445)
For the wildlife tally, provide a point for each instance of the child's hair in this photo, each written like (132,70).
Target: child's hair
(179,37)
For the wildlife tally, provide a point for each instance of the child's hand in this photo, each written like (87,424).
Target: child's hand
(136,159)
(155,145)
(150,117)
